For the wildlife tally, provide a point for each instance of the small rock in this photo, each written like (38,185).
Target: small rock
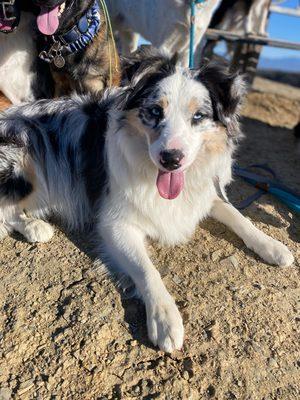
(230,261)
(51,381)
(95,287)
(272,362)
(5,394)
(257,286)
(76,354)
(137,390)
(186,375)
(176,279)
(256,347)
(25,386)
(216,255)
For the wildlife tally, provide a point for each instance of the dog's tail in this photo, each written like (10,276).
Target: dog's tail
(14,185)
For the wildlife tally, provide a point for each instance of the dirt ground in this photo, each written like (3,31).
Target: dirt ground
(67,332)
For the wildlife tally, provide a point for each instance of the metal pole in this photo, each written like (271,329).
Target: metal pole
(192,30)
(192,34)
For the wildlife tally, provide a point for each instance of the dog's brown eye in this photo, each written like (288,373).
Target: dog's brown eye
(198,116)
(156,112)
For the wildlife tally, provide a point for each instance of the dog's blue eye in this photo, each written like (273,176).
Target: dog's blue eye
(156,111)
(198,116)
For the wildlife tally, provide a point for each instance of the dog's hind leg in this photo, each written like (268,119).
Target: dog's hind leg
(267,248)
(17,193)
(124,244)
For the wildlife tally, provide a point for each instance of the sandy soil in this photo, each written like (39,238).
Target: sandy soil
(66,332)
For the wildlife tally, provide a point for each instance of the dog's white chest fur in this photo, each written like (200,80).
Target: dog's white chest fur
(172,221)
(17,52)
(168,221)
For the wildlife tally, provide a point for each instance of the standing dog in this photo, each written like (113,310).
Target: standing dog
(149,160)
(166,24)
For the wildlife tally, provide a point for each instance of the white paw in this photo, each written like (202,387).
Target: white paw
(274,252)
(38,231)
(3,231)
(164,322)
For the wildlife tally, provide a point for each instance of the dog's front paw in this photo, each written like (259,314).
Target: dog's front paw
(275,252)
(38,231)
(165,327)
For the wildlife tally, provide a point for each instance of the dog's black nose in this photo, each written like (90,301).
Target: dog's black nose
(170,159)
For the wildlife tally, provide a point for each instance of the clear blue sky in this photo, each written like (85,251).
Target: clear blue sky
(283,27)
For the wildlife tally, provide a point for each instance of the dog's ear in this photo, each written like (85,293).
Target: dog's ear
(226,90)
(143,70)
(132,64)
(144,60)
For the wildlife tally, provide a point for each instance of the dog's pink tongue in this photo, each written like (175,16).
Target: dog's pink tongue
(169,184)
(48,21)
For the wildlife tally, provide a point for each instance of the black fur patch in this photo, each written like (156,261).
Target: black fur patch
(226,92)
(92,148)
(153,67)
(13,187)
(223,8)
(43,84)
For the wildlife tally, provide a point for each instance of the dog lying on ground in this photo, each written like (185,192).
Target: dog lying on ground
(71,36)
(148,160)
(166,24)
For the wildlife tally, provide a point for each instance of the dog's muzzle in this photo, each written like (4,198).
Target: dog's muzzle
(9,16)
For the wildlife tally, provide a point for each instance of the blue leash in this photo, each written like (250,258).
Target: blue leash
(192,30)
(267,185)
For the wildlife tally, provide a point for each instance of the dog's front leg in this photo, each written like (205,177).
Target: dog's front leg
(267,248)
(124,244)
(34,230)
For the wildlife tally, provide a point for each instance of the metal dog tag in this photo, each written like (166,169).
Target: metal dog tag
(59,61)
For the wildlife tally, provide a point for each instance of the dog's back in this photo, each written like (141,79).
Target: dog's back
(53,147)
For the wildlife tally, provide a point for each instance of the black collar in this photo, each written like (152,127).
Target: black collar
(75,39)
